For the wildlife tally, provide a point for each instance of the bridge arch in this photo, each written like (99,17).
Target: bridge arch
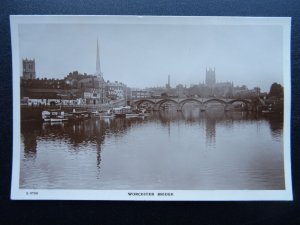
(239,100)
(183,102)
(247,104)
(139,102)
(163,101)
(215,100)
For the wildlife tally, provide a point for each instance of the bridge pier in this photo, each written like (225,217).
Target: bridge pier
(202,107)
(155,107)
(227,107)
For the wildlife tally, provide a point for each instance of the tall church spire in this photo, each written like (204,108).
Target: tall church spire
(98,69)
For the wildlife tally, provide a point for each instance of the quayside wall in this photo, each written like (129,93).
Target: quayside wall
(35,112)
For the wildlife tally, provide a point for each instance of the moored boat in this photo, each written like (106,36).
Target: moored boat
(96,114)
(121,111)
(107,114)
(81,115)
(78,115)
(53,115)
(127,112)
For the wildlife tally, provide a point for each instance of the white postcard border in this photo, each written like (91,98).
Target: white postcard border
(152,195)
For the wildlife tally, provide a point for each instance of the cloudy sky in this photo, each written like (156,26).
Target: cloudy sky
(143,55)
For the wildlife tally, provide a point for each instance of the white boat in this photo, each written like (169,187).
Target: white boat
(107,114)
(55,115)
(96,114)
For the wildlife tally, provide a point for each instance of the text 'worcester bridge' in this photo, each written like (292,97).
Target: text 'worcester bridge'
(158,103)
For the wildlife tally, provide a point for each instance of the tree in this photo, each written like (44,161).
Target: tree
(276,90)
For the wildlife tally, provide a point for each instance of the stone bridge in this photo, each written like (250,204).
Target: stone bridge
(157,104)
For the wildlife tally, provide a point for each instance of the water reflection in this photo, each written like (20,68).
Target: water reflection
(82,138)
(30,142)
(95,130)
(276,124)
(210,130)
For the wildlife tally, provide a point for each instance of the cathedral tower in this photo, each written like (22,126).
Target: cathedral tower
(210,80)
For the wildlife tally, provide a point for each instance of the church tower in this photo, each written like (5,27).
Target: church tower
(28,69)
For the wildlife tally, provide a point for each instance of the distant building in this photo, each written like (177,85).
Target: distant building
(210,78)
(92,95)
(115,90)
(168,85)
(223,89)
(28,69)
(214,88)
(244,92)
(47,88)
(140,93)
(88,82)
(157,91)
(82,88)
(180,90)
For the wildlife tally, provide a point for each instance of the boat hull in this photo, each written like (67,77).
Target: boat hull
(120,115)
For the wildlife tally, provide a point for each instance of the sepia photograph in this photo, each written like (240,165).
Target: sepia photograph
(151,108)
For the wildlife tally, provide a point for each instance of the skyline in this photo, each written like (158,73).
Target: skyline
(144,55)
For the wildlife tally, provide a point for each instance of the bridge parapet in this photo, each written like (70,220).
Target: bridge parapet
(157,103)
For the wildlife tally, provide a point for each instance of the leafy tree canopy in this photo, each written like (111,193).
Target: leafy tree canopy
(276,90)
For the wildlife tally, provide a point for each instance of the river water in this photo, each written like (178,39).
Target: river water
(189,150)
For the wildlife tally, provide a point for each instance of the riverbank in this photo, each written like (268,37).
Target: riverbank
(34,113)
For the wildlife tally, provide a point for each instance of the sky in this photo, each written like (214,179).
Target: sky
(143,55)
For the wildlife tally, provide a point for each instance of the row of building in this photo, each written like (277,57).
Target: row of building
(73,88)
(77,88)
(209,88)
